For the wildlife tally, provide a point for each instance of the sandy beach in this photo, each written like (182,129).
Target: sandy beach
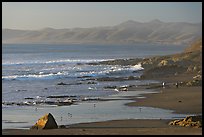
(118,127)
(186,100)
(99,68)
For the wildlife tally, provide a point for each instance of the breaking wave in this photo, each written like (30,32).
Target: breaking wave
(34,76)
(54,61)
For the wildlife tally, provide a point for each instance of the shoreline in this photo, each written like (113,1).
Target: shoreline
(113,127)
(183,100)
(169,95)
(183,68)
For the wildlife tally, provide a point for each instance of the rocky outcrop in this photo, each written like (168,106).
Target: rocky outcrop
(187,62)
(45,122)
(164,70)
(189,121)
(163,63)
(195,46)
(115,78)
(194,82)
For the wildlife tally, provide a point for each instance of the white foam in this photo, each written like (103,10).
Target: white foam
(40,75)
(104,70)
(56,61)
(122,69)
(138,66)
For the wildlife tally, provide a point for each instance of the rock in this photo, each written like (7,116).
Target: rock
(194,82)
(84,77)
(110,87)
(58,96)
(61,83)
(197,77)
(131,78)
(189,69)
(91,82)
(163,63)
(46,122)
(189,121)
(59,103)
(28,98)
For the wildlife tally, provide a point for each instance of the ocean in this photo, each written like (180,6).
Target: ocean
(33,73)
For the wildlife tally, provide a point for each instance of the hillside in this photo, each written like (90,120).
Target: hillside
(195,46)
(188,62)
(128,32)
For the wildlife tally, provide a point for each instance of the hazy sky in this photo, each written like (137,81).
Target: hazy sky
(38,15)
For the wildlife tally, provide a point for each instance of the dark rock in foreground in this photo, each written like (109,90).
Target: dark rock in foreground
(46,122)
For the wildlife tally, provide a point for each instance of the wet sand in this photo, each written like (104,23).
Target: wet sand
(183,100)
(186,100)
(116,127)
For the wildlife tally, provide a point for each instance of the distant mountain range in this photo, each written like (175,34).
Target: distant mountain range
(128,32)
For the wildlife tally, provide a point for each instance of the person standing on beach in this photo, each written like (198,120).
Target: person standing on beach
(163,84)
(176,84)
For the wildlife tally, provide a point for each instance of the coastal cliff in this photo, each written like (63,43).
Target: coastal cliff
(187,62)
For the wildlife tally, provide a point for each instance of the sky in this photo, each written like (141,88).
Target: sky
(59,15)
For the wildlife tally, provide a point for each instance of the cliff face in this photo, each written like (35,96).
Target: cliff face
(195,46)
(190,62)
(187,62)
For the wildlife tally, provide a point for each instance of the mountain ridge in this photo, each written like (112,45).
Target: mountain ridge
(128,32)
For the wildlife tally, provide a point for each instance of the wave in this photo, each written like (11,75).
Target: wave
(112,70)
(77,72)
(77,60)
(55,61)
(123,69)
(34,76)
(138,66)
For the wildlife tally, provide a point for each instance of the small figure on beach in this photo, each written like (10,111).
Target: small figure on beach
(163,84)
(176,84)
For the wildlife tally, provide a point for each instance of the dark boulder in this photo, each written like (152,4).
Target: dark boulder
(46,122)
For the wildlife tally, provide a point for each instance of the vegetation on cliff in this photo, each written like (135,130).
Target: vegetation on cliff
(187,62)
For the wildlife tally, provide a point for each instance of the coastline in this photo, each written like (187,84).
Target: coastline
(191,103)
(184,69)
(136,127)
(183,100)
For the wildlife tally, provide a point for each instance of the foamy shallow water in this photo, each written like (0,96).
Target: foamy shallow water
(25,117)
(34,71)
